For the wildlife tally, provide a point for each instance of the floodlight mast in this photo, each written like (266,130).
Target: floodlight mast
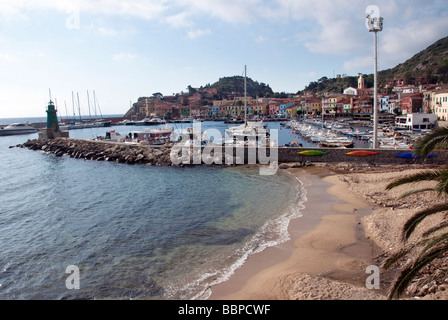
(375,25)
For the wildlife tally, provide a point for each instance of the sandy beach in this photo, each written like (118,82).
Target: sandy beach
(348,223)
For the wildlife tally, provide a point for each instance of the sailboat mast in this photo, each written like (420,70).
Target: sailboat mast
(245,95)
(73,105)
(79,107)
(88,103)
(66,111)
(94,105)
(97,104)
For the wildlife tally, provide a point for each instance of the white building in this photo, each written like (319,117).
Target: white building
(351,91)
(388,103)
(416,121)
(384,104)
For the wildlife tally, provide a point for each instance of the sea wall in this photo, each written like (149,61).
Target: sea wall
(334,155)
(100,150)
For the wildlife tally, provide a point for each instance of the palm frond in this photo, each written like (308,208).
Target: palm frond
(438,138)
(389,262)
(432,175)
(442,186)
(432,230)
(411,270)
(415,220)
(414,191)
(434,241)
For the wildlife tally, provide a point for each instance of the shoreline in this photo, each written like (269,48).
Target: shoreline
(326,256)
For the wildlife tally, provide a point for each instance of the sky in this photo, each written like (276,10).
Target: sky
(123,50)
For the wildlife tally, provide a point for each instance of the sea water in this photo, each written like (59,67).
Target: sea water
(133,231)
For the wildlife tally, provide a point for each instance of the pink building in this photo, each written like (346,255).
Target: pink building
(274,108)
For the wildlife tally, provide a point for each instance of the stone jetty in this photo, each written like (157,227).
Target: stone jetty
(102,151)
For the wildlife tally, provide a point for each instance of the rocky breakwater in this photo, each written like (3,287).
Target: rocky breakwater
(102,151)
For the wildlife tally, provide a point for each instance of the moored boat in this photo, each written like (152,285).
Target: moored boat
(17,128)
(153,136)
(337,142)
(251,133)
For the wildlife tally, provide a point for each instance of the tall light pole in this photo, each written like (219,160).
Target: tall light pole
(375,25)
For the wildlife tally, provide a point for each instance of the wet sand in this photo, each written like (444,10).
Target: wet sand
(326,257)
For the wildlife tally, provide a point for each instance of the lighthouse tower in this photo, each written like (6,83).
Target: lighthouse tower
(52,131)
(52,118)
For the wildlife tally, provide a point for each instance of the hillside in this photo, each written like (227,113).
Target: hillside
(431,63)
(229,86)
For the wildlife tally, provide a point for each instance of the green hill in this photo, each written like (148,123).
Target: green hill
(229,86)
(431,63)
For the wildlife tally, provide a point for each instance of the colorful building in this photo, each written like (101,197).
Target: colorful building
(411,103)
(441,104)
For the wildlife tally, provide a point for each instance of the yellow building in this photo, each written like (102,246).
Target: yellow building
(291,112)
(441,104)
(313,106)
(250,100)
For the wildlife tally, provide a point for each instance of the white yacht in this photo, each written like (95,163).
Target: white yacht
(250,133)
(152,136)
(17,128)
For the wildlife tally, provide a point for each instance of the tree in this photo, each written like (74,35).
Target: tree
(434,242)
(158,95)
(191,90)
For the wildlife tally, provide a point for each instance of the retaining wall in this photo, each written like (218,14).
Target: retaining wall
(384,156)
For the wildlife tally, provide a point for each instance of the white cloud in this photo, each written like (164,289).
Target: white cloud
(107,31)
(358,64)
(260,39)
(402,42)
(146,9)
(233,11)
(335,38)
(193,34)
(179,20)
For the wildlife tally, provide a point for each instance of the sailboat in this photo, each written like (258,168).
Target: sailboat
(251,133)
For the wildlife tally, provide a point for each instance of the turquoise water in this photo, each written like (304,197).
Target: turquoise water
(133,231)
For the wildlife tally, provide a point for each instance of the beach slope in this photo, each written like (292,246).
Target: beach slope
(326,258)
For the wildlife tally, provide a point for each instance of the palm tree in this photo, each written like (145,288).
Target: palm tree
(433,243)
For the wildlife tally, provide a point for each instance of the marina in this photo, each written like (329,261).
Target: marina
(351,134)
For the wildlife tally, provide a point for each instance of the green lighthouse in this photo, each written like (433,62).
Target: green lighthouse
(52,118)
(52,130)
